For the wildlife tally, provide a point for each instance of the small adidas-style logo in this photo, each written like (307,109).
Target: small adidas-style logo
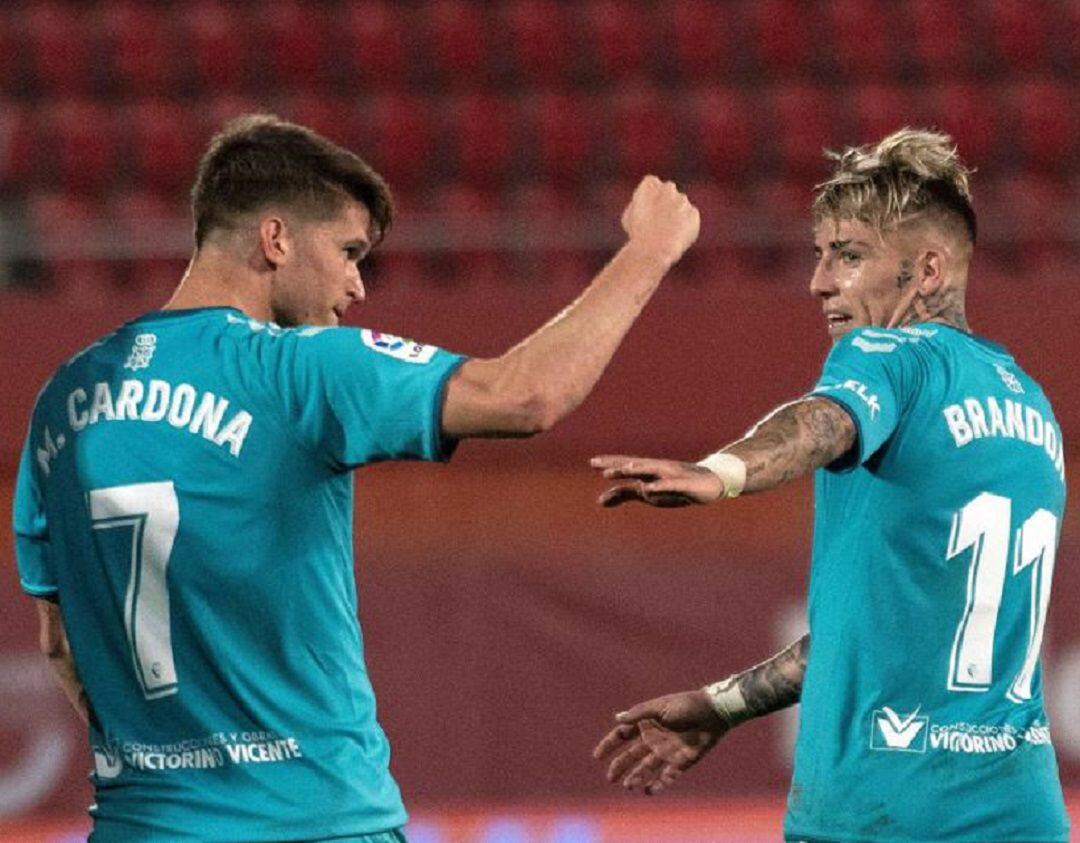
(890,731)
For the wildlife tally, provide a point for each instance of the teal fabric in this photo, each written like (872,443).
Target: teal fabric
(186,494)
(922,712)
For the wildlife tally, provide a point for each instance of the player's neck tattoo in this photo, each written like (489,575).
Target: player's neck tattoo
(946,306)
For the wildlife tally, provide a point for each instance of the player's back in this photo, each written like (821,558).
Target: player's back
(187,498)
(922,709)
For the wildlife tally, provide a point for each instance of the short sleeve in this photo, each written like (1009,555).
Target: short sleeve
(36,574)
(870,373)
(360,396)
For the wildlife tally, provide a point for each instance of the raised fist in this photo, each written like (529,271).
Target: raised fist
(661,219)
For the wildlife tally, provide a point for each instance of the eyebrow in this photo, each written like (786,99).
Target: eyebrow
(836,245)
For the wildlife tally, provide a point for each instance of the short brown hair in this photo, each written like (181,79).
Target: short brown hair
(259,159)
(908,172)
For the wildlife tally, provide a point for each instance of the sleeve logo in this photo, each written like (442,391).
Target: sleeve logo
(400,348)
(142,352)
(891,731)
(860,389)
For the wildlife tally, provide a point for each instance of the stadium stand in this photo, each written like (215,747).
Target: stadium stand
(121,95)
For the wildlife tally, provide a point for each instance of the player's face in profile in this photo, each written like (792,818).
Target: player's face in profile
(322,278)
(856,276)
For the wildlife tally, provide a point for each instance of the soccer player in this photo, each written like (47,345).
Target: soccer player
(938,506)
(184,504)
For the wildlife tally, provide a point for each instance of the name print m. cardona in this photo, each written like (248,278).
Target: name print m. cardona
(181,405)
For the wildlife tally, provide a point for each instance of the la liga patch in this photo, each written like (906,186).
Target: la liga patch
(398,347)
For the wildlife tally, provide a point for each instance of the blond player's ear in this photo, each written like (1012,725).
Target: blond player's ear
(931,272)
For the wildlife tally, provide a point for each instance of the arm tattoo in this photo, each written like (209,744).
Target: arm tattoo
(794,439)
(776,683)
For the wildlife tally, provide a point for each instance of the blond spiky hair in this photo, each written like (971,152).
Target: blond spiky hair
(910,171)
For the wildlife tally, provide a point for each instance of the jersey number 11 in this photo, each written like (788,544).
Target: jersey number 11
(985,525)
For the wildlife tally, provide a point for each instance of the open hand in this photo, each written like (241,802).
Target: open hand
(656,482)
(656,741)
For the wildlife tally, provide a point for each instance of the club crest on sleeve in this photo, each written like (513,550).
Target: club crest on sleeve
(398,347)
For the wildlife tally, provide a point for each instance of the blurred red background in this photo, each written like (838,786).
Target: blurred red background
(506,616)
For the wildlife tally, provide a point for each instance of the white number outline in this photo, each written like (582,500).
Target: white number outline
(153,512)
(984,525)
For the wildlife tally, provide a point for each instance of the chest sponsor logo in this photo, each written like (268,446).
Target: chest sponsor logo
(898,733)
(891,731)
(403,349)
(142,352)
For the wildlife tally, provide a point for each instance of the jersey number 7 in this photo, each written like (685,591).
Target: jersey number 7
(152,512)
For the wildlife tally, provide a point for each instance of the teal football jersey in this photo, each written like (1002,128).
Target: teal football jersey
(922,713)
(186,494)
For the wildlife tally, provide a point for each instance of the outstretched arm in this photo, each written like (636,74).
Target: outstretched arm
(53,641)
(794,439)
(656,741)
(543,378)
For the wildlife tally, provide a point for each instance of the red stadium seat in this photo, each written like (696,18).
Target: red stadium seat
(473,217)
(337,118)
(565,137)
(803,125)
(165,140)
(1046,123)
(861,38)
(220,44)
(400,140)
(1069,36)
(484,136)
(972,114)
(10,71)
(141,47)
(378,44)
(703,37)
(540,46)
(1032,213)
(940,37)
(721,131)
(82,145)
(619,37)
(721,253)
(644,132)
(60,220)
(1022,32)
(458,42)
(546,255)
(784,36)
(20,145)
(59,52)
(880,110)
(150,223)
(296,37)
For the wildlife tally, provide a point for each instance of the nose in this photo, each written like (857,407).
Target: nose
(356,291)
(822,283)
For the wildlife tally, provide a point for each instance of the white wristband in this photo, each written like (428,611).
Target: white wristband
(728,701)
(730,469)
